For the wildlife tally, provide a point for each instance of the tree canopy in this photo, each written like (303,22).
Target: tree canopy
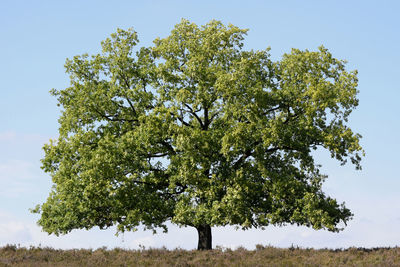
(200,132)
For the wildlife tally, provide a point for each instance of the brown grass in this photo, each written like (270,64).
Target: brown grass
(12,255)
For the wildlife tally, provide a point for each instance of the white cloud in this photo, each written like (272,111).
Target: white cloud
(147,242)
(13,231)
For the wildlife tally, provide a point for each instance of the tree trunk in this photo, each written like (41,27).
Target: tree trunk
(204,237)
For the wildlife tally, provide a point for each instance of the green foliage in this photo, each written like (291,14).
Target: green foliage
(198,131)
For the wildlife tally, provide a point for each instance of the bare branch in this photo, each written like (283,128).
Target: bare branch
(192,112)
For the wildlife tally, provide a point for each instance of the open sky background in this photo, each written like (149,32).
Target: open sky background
(37,36)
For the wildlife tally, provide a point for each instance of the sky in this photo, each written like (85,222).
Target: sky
(37,36)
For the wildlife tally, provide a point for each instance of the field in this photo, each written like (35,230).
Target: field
(12,255)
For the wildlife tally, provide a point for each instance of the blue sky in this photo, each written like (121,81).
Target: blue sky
(37,37)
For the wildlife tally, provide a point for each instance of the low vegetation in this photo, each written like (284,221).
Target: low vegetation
(12,255)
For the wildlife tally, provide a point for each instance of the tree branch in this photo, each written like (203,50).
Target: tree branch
(113,117)
(194,114)
(168,146)
(272,109)
(180,118)
(213,117)
(249,152)
(206,121)
(157,155)
(128,86)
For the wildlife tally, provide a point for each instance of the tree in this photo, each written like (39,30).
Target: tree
(200,132)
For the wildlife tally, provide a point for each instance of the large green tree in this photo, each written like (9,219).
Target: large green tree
(200,132)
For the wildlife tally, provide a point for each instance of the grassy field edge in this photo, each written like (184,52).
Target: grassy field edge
(13,255)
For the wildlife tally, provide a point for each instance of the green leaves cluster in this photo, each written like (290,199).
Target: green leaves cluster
(198,131)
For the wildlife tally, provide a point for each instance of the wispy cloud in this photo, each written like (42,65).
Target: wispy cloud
(16,169)
(20,171)
(17,177)
(361,233)
(147,242)
(13,231)
(13,136)
(7,136)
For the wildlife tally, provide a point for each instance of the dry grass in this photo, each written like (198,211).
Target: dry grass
(12,255)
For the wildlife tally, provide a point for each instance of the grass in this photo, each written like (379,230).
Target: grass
(11,255)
